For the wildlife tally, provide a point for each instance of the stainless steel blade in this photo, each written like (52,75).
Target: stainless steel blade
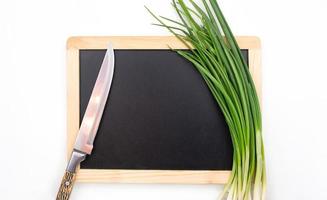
(96,105)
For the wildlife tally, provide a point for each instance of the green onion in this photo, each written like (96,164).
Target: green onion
(216,55)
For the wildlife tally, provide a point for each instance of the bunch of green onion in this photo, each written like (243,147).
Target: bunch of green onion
(215,53)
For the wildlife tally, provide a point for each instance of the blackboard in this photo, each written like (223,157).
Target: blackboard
(160,124)
(159,115)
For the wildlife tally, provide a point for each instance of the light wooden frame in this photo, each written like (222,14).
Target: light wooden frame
(74,44)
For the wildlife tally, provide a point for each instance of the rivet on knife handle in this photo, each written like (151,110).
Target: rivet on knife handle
(66,186)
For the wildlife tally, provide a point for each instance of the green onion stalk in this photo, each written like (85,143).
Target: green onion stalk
(216,55)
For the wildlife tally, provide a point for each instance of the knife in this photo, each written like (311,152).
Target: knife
(89,126)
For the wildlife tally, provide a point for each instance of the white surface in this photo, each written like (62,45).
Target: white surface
(33,93)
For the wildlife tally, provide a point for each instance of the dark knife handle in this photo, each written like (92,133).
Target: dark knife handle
(66,186)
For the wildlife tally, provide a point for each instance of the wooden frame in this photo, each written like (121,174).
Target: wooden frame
(74,44)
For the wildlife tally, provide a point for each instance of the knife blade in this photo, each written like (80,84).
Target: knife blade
(90,123)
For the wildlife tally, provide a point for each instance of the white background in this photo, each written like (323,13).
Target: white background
(33,93)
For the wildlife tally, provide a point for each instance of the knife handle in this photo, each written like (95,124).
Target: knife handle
(68,180)
(66,186)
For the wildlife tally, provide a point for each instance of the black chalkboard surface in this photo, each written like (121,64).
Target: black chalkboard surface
(160,114)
